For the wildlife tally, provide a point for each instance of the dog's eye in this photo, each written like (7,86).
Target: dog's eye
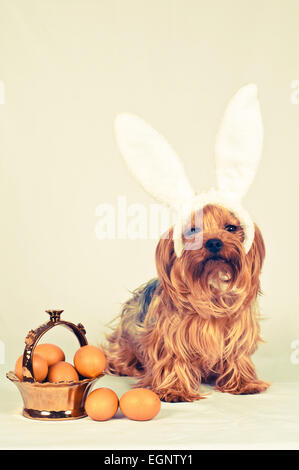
(230,228)
(192,231)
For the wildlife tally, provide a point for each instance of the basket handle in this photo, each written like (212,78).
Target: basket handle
(34,336)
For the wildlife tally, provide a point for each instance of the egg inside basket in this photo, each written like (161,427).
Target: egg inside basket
(46,400)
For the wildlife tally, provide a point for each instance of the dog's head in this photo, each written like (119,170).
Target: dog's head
(214,275)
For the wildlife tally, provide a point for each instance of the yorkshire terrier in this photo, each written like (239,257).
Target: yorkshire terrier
(198,321)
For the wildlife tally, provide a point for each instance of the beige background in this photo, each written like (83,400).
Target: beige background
(68,68)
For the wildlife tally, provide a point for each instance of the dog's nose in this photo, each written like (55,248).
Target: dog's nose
(214,245)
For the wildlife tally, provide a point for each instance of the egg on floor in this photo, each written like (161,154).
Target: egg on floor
(62,372)
(140,404)
(89,361)
(39,364)
(50,352)
(101,404)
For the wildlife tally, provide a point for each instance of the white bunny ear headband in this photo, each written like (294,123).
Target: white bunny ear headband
(238,150)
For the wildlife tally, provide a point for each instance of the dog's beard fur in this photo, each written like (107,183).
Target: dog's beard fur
(202,320)
(212,286)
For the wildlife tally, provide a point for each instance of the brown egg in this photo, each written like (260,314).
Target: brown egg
(89,361)
(50,352)
(40,367)
(140,404)
(101,404)
(62,372)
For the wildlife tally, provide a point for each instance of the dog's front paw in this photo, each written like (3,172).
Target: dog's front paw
(256,386)
(172,397)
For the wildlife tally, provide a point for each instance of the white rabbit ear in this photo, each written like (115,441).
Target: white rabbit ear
(152,161)
(239,143)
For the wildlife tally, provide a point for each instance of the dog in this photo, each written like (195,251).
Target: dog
(198,321)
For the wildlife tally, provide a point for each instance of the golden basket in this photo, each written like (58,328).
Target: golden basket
(45,400)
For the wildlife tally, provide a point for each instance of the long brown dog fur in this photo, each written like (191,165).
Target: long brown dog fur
(202,321)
